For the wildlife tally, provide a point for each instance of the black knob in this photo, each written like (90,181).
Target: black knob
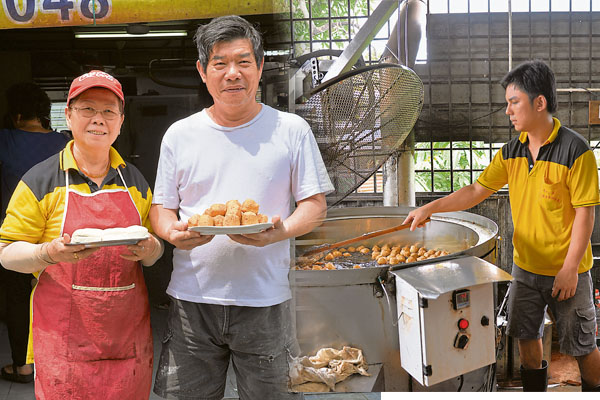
(485,321)
(461,341)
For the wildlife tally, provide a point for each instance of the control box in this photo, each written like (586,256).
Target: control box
(447,329)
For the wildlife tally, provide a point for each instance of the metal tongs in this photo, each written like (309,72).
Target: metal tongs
(364,236)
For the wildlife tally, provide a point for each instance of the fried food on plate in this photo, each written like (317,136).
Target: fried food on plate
(216,209)
(201,220)
(218,220)
(231,220)
(232,213)
(250,205)
(249,218)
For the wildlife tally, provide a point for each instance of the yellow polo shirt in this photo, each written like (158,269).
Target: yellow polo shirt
(544,195)
(36,208)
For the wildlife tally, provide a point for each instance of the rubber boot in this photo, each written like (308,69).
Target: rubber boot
(535,380)
(588,388)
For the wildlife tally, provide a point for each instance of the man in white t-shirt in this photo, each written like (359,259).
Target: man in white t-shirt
(230,293)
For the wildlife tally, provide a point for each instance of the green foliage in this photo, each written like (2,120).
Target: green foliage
(301,30)
(466,156)
(337,8)
(441,181)
(461,179)
(423,181)
(322,13)
(319,8)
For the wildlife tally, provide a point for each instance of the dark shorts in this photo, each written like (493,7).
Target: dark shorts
(575,318)
(200,339)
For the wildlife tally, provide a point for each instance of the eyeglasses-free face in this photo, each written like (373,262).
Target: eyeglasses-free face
(89,112)
(232,77)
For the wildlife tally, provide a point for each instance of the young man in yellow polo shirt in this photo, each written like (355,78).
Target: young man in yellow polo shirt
(552,179)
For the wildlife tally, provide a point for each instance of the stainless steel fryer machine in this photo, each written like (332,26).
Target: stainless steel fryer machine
(424,326)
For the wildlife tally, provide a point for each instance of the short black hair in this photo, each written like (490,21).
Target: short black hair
(226,29)
(534,78)
(29,101)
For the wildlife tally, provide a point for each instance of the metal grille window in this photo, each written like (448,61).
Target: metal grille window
(449,166)
(331,24)
(478,6)
(57,116)
(462,124)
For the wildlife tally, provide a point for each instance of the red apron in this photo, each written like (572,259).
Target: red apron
(91,319)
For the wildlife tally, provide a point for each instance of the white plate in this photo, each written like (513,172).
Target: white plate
(224,230)
(106,243)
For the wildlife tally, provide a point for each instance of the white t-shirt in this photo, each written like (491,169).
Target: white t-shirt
(273,160)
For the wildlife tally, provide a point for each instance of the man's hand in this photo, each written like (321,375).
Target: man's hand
(462,199)
(565,283)
(182,238)
(261,239)
(309,213)
(167,226)
(416,218)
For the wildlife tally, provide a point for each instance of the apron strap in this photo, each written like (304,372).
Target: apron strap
(67,190)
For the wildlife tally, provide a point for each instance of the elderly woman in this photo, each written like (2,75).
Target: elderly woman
(90,317)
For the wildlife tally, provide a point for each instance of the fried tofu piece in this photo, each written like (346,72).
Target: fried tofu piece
(232,204)
(231,220)
(250,205)
(200,220)
(249,218)
(232,214)
(234,208)
(216,209)
(218,220)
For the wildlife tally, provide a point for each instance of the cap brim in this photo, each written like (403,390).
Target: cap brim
(83,89)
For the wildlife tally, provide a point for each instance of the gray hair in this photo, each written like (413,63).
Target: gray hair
(226,29)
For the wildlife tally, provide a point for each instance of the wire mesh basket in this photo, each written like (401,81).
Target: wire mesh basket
(359,119)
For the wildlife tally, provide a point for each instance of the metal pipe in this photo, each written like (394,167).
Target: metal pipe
(405,37)
(361,40)
(571,90)
(509,35)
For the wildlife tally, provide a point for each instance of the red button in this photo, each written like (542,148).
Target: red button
(463,324)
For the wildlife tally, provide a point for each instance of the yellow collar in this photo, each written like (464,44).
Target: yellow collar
(553,135)
(68,160)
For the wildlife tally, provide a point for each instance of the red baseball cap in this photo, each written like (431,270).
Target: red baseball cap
(92,79)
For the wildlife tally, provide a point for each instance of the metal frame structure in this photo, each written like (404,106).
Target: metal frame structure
(355,48)
(467,57)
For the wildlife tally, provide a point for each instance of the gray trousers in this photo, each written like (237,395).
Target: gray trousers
(200,340)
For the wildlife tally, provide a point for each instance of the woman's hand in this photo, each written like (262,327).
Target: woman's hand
(58,251)
(142,250)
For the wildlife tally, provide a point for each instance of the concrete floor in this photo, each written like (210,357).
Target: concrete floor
(19,391)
